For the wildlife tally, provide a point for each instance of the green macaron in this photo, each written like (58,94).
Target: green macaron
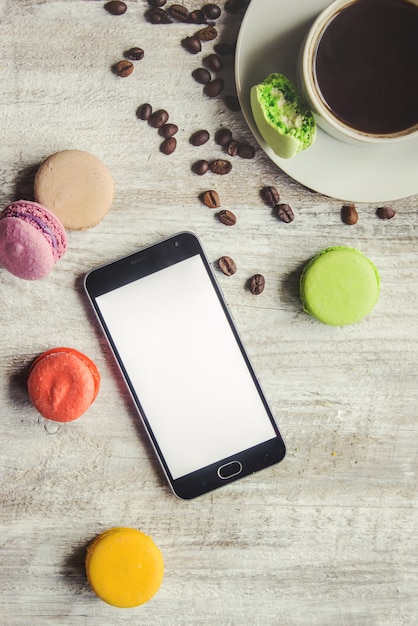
(339,286)
(282,117)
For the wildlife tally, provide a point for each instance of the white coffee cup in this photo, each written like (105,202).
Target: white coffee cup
(337,122)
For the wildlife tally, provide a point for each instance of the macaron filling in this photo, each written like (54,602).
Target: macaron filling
(39,222)
(42,220)
(282,117)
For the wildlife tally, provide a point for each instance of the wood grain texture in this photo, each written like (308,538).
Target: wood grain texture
(329,536)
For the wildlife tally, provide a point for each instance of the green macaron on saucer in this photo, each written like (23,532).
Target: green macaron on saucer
(339,286)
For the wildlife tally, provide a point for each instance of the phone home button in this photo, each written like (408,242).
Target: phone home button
(229,469)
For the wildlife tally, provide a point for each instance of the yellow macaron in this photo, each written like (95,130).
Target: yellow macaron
(124,567)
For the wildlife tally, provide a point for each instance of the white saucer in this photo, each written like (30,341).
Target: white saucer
(269,40)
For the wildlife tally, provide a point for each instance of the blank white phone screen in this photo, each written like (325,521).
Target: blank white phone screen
(184,363)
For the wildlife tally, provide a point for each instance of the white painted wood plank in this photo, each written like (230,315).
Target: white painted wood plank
(327,537)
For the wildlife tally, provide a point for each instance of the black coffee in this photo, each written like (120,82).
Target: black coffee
(367,65)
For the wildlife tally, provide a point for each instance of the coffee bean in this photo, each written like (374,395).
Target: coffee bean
(210,199)
(385,213)
(233,147)
(224,49)
(115,8)
(232,103)
(145,111)
(169,145)
(158,16)
(158,118)
(135,54)
(202,76)
(168,130)
(227,265)
(199,138)
(211,11)
(271,196)
(285,213)
(200,167)
(257,284)
(349,214)
(179,12)
(223,136)
(192,44)
(221,167)
(207,34)
(245,151)
(213,62)
(197,17)
(157,3)
(227,217)
(213,88)
(124,68)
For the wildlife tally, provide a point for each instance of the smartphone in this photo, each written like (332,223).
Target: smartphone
(192,383)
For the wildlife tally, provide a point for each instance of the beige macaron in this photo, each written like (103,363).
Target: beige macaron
(76,186)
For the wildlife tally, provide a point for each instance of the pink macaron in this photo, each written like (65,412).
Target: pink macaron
(32,240)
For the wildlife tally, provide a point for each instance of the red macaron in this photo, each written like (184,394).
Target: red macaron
(63,383)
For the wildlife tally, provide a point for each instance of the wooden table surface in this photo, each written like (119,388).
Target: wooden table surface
(327,537)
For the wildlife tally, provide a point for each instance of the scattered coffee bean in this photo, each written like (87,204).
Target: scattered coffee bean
(245,151)
(145,111)
(213,88)
(135,54)
(158,16)
(157,3)
(197,17)
(200,167)
(385,213)
(227,217)
(213,62)
(211,11)
(271,196)
(168,130)
(179,12)
(227,265)
(169,145)
(349,214)
(257,284)
(232,103)
(233,147)
(115,8)
(202,76)
(285,213)
(124,68)
(207,34)
(210,199)
(224,49)
(158,118)
(199,138)
(223,136)
(221,167)
(192,44)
